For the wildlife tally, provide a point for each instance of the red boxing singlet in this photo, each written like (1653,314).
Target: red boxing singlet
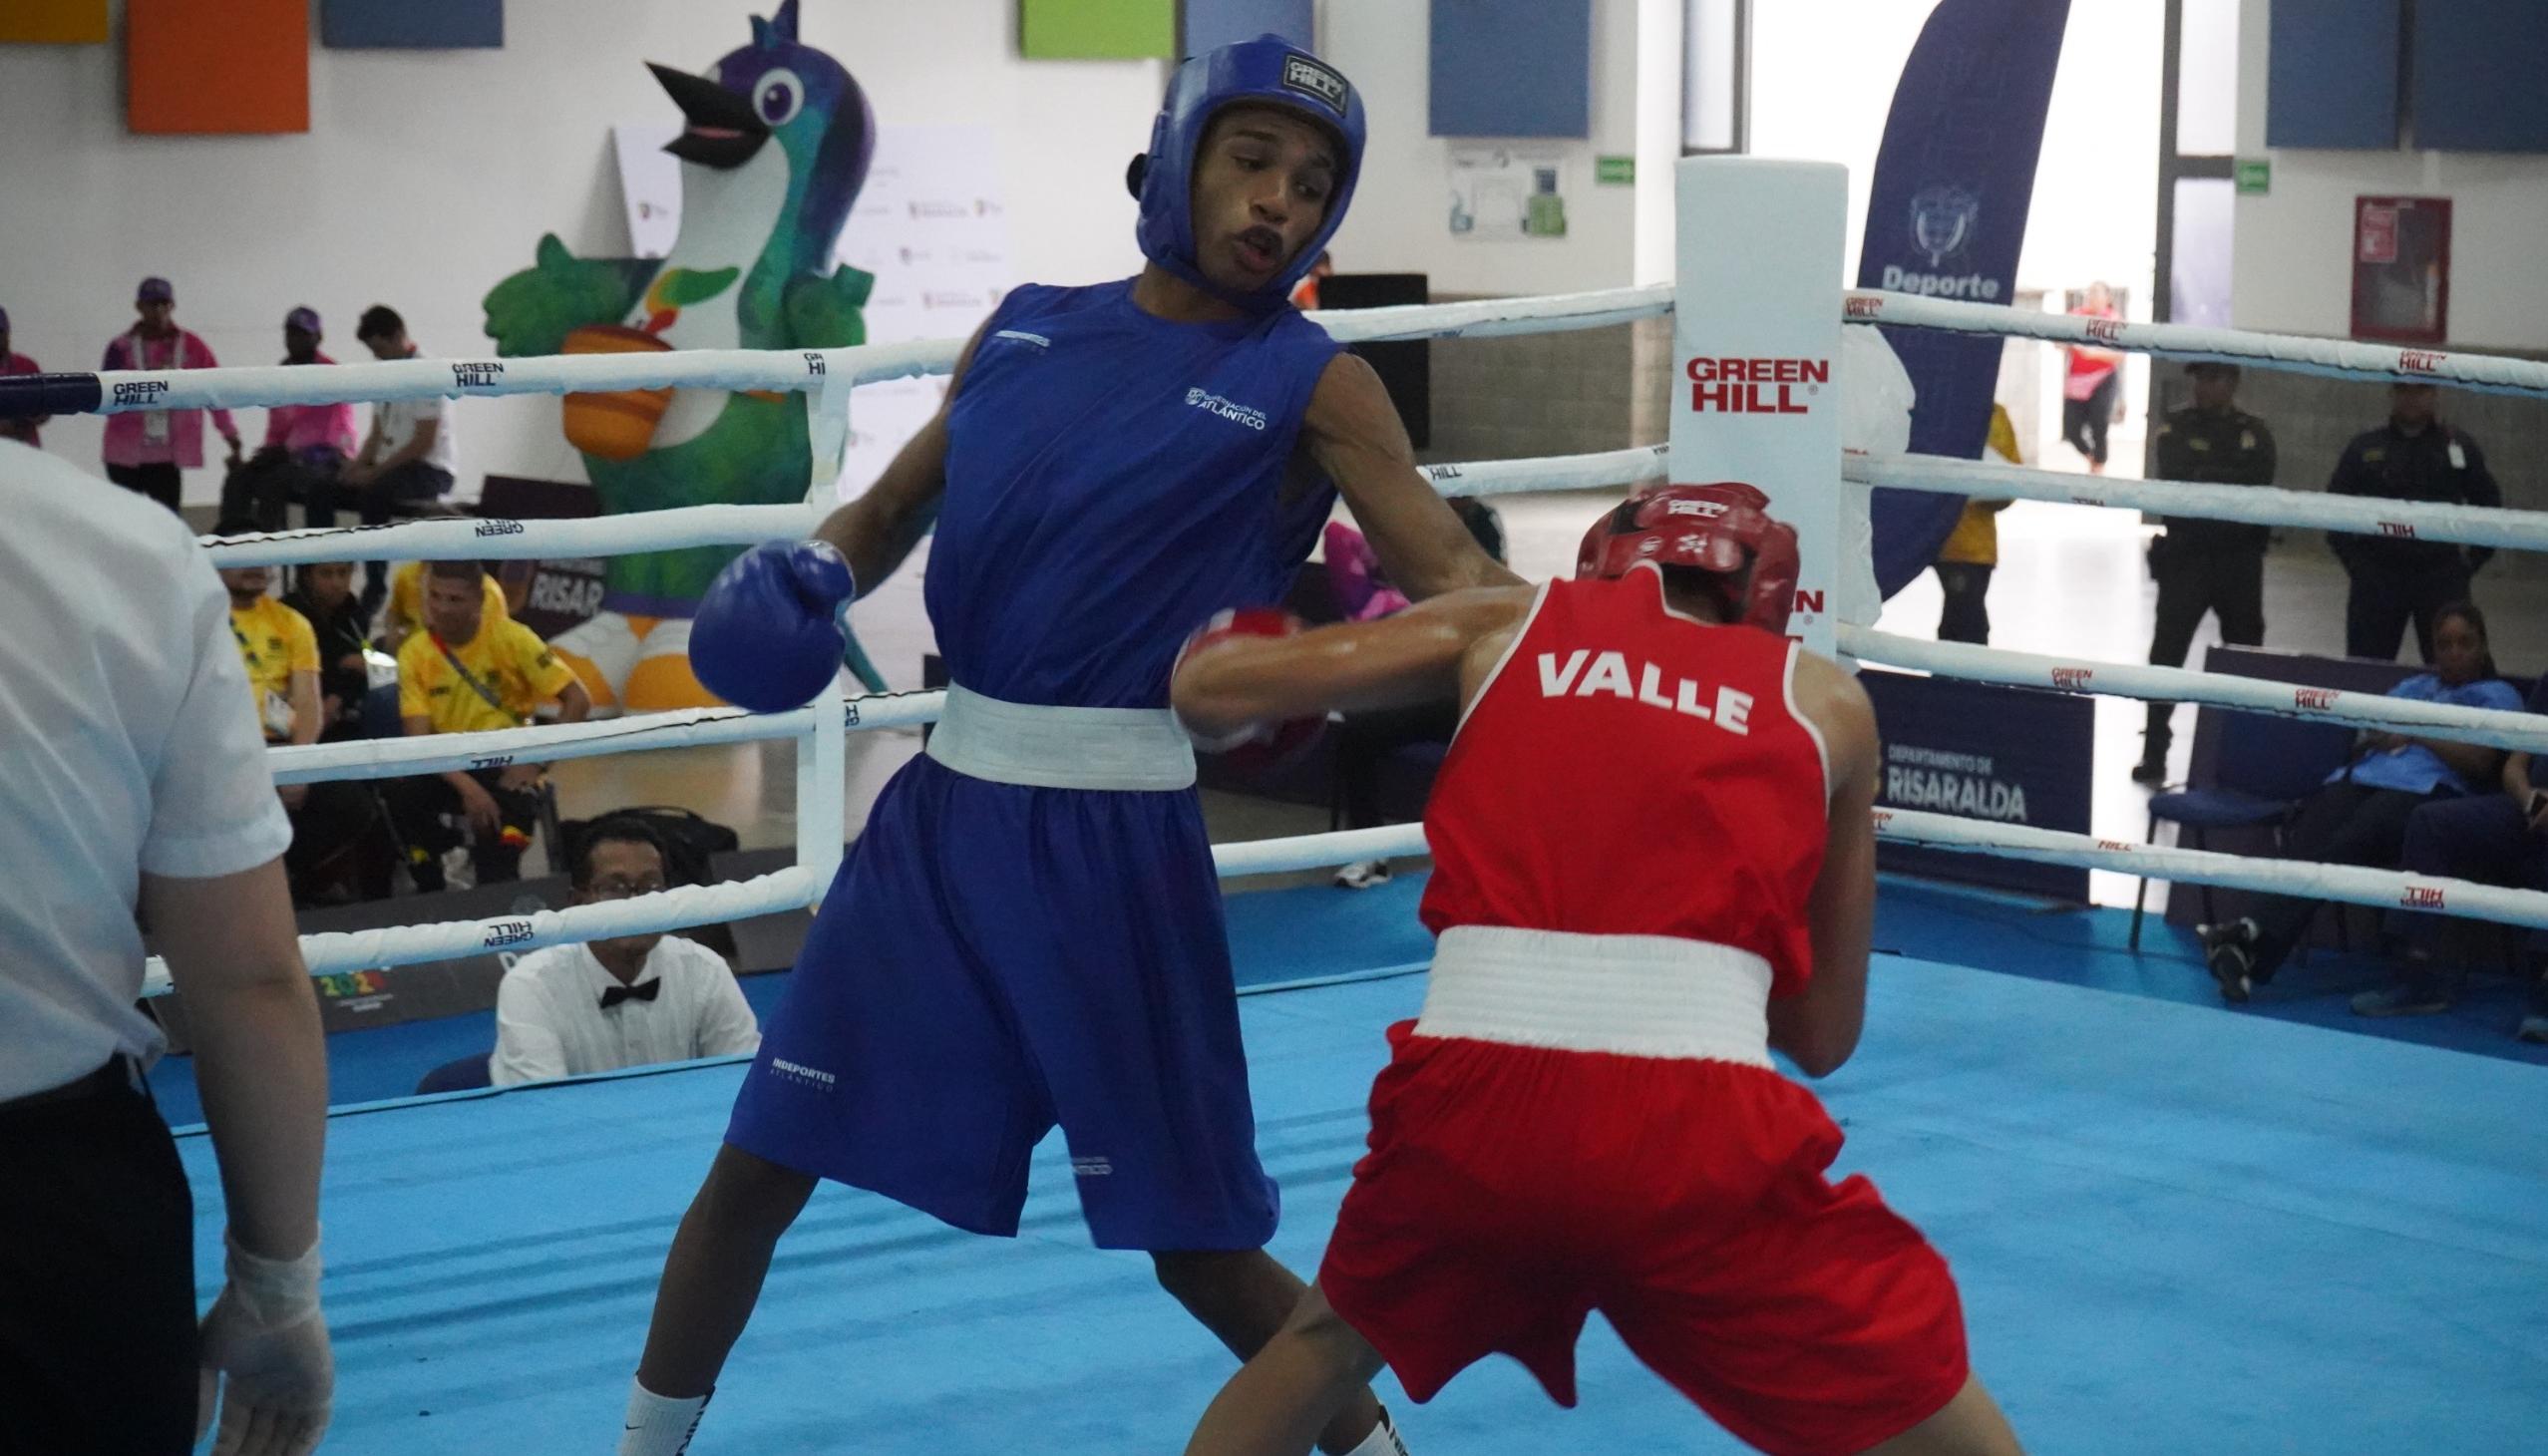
(1608,708)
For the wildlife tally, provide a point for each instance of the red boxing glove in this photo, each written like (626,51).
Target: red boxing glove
(1263,747)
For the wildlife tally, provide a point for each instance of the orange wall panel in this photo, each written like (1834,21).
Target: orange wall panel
(54,22)
(198,67)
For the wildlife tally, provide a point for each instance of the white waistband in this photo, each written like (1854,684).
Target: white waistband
(1633,996)
(1061,748)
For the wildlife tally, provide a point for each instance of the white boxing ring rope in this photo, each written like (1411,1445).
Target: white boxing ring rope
(825,372)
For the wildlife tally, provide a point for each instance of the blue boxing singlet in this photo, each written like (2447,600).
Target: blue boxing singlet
(1113,478)
(1004,951)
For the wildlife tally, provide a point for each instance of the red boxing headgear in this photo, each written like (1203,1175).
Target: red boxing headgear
(1719,529)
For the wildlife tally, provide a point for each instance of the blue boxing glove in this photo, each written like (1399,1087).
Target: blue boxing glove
(768,634)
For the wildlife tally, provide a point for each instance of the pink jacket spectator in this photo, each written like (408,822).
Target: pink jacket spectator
(296,428)
(1353,573)
(133,438)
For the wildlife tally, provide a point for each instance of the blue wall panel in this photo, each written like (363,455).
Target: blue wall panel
(1203,25)
(421,25)
(1512,67)
(2331,76)
(2477,68)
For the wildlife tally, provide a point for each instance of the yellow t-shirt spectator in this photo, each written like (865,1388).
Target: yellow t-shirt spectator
(275,643)
(507,658)
(407,602)
(1976,540)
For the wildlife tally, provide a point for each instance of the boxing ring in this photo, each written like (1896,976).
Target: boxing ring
(2176,1229)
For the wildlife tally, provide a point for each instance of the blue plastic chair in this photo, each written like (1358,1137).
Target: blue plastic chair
(465,1075)
(2266,766)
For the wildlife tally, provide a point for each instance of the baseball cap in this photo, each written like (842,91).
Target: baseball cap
(304,318)
(155,290)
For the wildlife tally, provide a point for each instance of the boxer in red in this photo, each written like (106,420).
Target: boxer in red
(1653,862)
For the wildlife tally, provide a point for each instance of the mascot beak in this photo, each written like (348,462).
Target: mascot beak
(723,132)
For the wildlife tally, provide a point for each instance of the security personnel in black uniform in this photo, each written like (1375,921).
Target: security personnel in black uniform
(2206,565)
(2414,457)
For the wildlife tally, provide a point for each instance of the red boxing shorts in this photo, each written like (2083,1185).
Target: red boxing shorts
(1512,1189)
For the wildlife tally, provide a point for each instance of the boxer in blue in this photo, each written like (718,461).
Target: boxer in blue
(1028,933)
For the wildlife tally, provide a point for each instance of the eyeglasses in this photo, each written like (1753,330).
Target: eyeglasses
(621,889)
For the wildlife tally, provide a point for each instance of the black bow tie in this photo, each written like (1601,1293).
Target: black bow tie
(643,991)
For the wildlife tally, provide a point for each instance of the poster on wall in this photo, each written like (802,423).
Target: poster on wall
(2401,269)
(929,227)
(1503,193)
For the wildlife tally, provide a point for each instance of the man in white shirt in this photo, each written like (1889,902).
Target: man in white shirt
(410,454)
(133,779)
(633,1001)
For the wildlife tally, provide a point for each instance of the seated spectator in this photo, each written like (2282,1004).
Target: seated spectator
(406,609)
(1366,740)
(25,429)
(2359,817)
(465,674)
(280,651)
(305,447)
(2494,839)
(409,456)
(323,593)
(630,1001)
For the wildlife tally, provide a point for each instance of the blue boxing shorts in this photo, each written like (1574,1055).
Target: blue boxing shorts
(993,959)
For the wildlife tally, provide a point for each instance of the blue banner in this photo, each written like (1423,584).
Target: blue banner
(1977,750)
(1946,216)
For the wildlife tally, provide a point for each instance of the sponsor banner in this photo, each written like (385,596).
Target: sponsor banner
(1946,215)
(1980,751)
(1755,327)
(565,591)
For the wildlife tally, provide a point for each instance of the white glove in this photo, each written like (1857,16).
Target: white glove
(265,1333)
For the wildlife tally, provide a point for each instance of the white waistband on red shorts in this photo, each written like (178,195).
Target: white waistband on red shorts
(1061,748)
(1633,996)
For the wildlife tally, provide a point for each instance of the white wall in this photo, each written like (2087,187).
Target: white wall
(2291,268)
(1400,220)
(426,177)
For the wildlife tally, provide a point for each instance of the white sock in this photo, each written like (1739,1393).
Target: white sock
(659,1425)
(1384,1440)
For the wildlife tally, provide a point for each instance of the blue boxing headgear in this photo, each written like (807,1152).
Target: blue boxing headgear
(1267,71)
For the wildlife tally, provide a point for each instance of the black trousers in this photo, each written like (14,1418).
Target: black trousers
(270,480)
(2228,585)
(162,482)
(96,1277)
(1364,742)
(414,480)
(2085,421)
(1966,617)
(2381,602)
(422,807)
(2340,824)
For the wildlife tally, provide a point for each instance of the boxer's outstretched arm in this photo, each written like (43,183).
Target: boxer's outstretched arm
(1419,656)
(1352,432)
(1818,1028)
(876,532)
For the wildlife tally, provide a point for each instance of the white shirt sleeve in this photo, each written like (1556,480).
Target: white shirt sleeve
(528,1047)
(212,805)
(727,1026)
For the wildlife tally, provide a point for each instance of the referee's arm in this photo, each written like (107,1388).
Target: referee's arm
(260,1056)
(213,896)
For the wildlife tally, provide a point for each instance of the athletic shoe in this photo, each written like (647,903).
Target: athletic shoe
(2152,769)
(2534,1027)
(1362,874)
(2234,967)
(2417,994)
